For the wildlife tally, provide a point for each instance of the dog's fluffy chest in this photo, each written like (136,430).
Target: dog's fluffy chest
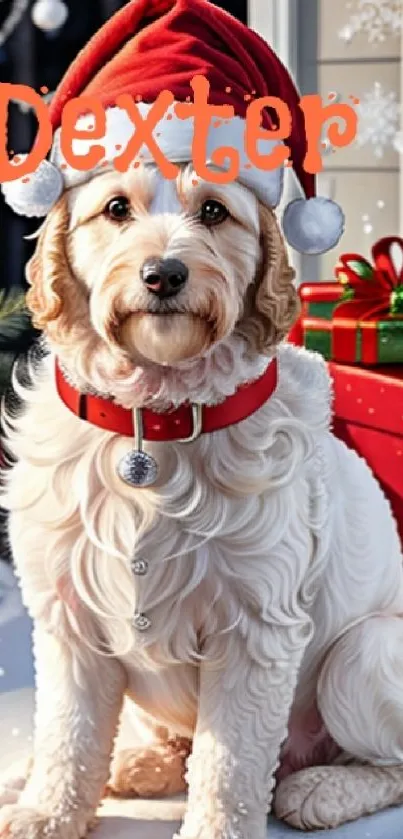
(216,534)
(200,559)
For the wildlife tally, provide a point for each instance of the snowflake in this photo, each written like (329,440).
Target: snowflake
(378,119)
(376,18)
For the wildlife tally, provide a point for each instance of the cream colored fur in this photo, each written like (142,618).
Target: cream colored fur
(275,581)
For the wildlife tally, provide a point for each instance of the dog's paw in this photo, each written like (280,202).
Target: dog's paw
(12,786)
(147,772)
(24,823)
(327,796)
(314,798)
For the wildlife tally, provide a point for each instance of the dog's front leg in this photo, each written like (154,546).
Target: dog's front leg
(242,722)
(78,699)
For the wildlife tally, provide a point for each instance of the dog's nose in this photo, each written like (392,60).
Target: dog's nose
(164,277)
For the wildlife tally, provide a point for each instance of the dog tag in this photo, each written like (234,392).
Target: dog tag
(138,469)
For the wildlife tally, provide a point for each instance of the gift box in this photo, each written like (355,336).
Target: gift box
(368,416)
(359,318)
(319,301)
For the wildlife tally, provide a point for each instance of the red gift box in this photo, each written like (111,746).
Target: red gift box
(368,416)
(359,319)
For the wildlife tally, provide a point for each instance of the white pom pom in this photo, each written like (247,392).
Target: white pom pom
(35,194)
(313,226)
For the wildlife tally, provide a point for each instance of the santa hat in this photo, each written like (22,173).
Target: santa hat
(155,45)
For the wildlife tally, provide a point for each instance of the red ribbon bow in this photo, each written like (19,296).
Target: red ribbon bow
(375,292)
(378,283)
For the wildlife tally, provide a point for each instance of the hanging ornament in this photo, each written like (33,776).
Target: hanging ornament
(378,119)
(49,15)
(377,19)
(11,22)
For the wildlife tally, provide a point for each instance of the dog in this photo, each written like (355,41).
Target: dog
(247,604)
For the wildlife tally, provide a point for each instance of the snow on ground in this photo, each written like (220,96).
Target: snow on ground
(118,819)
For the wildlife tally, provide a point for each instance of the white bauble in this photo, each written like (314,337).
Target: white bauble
(49,15)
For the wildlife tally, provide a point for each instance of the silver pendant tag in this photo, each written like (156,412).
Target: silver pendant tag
(138,469)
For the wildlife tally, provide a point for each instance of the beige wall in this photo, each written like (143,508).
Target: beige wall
(354,176)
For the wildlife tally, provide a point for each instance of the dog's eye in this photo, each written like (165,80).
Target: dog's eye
(213,212)
(118,209)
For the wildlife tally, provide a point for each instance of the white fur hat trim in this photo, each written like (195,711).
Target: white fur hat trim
(311,226)
(174,137)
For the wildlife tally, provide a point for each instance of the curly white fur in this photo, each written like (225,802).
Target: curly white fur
(271,553)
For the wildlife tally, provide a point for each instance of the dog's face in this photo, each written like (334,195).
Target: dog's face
(160,271)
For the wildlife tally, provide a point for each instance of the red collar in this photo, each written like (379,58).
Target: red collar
(183,423)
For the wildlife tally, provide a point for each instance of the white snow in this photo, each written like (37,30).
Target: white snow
(118,819)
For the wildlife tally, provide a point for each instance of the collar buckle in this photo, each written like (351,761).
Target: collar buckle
(197,423)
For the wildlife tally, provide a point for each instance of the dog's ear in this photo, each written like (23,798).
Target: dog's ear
(52,296)
(272,302)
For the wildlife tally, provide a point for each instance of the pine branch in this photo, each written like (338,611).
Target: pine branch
(16,333)
(15,321)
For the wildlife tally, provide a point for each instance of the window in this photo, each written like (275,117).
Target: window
(305,35)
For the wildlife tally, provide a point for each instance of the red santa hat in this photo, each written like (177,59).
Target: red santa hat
(155,45)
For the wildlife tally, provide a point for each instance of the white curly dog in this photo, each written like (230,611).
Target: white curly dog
(249,602)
